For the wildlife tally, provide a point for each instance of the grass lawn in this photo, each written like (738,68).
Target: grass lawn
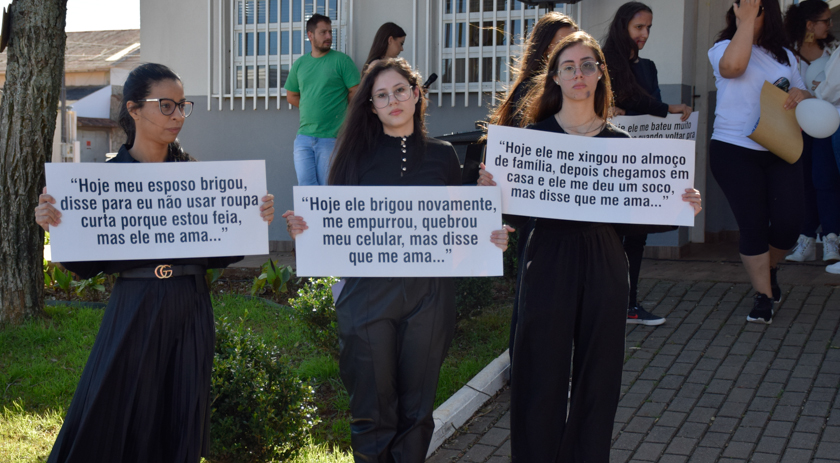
(42,360)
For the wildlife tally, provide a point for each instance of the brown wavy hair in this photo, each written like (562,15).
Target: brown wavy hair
(532,63)
(357,137)
(546,97)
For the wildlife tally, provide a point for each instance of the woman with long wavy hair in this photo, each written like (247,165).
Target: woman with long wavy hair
(573,297)
(394,332)
(636,89)
(546,34)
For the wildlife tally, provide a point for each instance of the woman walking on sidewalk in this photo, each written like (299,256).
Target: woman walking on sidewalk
(764,191)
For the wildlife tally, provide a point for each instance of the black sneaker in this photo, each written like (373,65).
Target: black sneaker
(638,316)
(762,311)
(774,285)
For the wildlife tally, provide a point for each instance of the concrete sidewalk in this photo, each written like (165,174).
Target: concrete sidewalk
(707,386)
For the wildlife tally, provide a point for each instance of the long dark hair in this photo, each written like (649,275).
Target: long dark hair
(796,22)
(357,137)
(621,51)
(532,63)
(546,97)
(136,88)
(772,38)
(380,41)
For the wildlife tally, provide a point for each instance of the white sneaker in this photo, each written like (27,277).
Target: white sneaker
(833,268)
(830,248)
(806,249)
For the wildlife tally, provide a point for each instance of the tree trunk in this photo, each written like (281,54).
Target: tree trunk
(35,65)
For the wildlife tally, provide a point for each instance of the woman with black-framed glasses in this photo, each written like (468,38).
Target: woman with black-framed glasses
(144,395)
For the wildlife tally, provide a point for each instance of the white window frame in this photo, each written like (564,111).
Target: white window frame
(228,70)
(512,46)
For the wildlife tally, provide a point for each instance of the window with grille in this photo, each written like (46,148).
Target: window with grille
(479,40)
(256,42)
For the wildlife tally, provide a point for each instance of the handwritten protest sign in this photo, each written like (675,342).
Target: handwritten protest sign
(614,180)
(157,210)
(669,127)
(398,232)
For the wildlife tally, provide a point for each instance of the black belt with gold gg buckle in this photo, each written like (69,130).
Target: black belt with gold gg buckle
(164,271)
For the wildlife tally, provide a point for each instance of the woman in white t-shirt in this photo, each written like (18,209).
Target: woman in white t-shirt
(808,26)
(764,191)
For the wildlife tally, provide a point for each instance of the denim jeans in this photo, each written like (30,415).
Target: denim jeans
(312,159)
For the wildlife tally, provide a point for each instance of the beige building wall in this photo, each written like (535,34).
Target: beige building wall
(86,79)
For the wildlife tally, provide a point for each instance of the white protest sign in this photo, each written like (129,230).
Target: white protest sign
(360,231)
(647,126)
(121,211)
(613,180)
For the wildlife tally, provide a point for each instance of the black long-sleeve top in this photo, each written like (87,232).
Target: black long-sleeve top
(436,165)
(639,103)
(91,268)
(609,131)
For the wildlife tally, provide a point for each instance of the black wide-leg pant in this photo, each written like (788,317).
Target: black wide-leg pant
(394,335)
(573,299)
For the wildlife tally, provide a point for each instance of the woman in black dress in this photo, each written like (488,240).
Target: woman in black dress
(574,289)
(636,89)
(144,395)
(394,332)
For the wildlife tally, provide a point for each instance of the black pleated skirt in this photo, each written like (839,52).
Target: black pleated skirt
(144,393)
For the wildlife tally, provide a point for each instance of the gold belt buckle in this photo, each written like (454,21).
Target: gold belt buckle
(163,271)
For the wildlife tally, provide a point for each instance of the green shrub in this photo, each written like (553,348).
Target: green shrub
(261,411)
(273,277)
(314,307)
(472,295)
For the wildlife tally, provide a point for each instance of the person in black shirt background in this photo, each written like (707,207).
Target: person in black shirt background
(387,43)
(144,395)
(574,287)
(394,332)
(636,89)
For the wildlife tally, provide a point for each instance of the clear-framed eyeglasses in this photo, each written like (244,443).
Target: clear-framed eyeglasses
(587,68)
(167,106)
(383,99)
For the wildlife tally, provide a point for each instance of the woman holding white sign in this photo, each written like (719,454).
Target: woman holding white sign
(394,332)
(573,300)
(764,191)
(144,395)
(636,89)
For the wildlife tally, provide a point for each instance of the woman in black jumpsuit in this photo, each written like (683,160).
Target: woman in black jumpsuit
(144,395)
(394,332)
(573,298)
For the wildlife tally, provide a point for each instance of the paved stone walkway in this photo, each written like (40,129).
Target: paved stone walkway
(709,387)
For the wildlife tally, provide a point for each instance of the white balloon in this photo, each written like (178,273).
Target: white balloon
(817,118)
(816,71)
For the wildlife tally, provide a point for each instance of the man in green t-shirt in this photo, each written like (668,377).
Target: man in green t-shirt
(320,84)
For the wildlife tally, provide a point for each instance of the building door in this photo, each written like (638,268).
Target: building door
(93,145)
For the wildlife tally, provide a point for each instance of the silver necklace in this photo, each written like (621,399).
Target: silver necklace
(590,127)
